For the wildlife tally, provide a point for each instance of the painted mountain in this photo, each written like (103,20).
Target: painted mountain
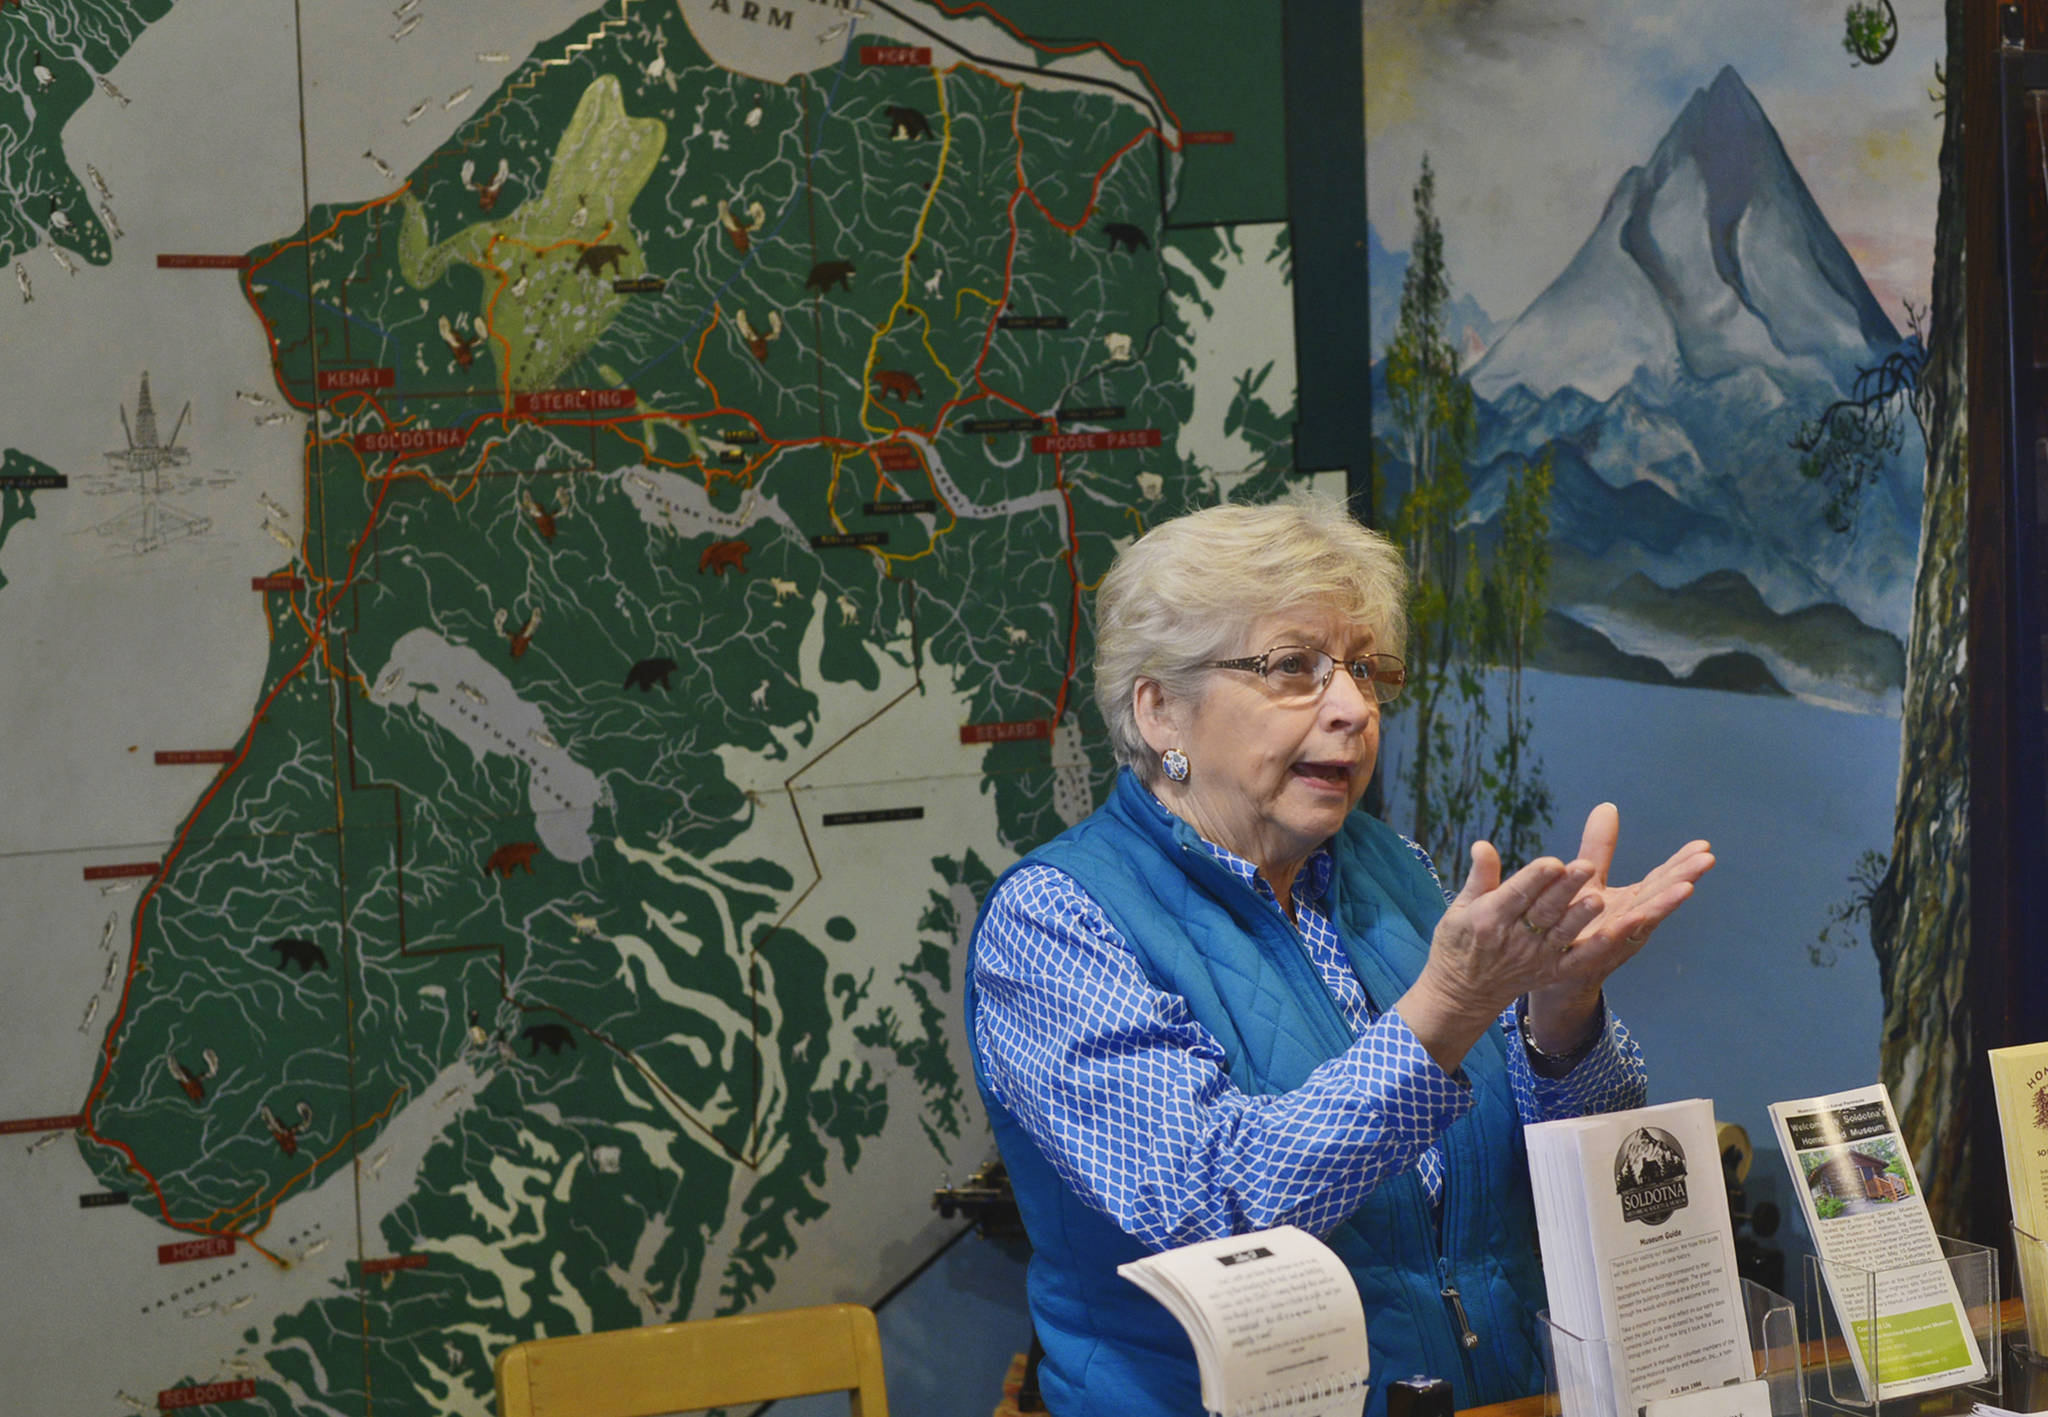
(1709,314)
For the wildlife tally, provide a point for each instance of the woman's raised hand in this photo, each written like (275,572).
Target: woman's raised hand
(1553,930)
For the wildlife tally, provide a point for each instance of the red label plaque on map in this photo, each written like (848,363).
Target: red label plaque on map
(411,440)
(574,401)
(1095,442)
(173,1399)
(897,457)
(193,261)
(1006,732)
(1210,138)
(276,583)
(115,873)
(896,56)
(210,1247)
(340,380)
(188,757)
(42,1124)
(394,1262)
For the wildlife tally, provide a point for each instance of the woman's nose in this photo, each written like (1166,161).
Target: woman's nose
(1347,698)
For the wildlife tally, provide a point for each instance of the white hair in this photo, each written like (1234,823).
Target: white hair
(1189,589)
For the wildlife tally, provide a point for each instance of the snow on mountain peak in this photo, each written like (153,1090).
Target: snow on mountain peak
(1709,258)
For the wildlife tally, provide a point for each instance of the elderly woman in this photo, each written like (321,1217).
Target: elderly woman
(1228,1000)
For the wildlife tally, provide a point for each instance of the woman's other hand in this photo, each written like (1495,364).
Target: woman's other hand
(1561,1011)
(1553,930)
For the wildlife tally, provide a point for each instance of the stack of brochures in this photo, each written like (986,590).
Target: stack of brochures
(1274,1317)
(2019,1080)
(1885,1272)
(1639,1259)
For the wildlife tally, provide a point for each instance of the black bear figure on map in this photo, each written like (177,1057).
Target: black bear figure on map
(553,1036)
(906,122)
(1123,235)
(304,953)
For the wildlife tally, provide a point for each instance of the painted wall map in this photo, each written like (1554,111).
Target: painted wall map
(542,554)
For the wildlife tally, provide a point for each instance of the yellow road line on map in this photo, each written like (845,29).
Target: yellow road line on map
(903,295)
(970,290)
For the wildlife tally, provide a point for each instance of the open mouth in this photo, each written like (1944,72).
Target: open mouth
(1338,773)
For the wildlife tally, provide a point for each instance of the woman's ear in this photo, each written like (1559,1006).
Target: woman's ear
(1158,724)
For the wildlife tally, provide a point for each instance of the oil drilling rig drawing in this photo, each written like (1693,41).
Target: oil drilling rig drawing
(152,523)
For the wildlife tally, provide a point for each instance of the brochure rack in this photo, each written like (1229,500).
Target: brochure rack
(1569,1361)
(2031,1252)
(1834,1354)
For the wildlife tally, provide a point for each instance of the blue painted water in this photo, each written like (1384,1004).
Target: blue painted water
(1726,1000)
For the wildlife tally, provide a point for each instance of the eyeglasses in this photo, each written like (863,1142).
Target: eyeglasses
(1299,673)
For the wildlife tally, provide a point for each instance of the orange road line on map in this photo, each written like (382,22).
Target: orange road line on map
(697,359)
(290,1182)
(110,1047)
(1094,188)
(249,279)
(1103,45)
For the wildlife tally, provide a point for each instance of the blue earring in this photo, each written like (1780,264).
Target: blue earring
(1176,764)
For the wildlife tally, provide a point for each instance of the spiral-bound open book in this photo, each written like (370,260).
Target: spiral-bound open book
(1274,1317)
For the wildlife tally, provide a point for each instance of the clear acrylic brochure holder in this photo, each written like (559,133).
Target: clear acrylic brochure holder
(1835,1352)
(2031,1254)
(1575,1369)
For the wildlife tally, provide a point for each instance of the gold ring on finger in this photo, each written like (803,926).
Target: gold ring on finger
(1564,949)
(1530,925)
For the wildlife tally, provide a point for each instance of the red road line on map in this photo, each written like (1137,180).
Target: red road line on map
(254,1202)
(1071,555)
(1104,45)
(109,1048)
(1094,189)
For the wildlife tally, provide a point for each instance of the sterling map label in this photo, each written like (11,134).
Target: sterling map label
(574,401)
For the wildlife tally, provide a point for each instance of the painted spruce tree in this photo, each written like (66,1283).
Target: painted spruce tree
(1467,613)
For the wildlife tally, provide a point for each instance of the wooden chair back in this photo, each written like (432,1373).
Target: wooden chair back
(681,1367)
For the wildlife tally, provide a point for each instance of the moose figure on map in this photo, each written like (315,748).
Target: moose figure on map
(287,1138)
(293,949)
(512,856)
(486,192)
(193,1083)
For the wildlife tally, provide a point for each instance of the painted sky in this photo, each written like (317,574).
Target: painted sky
(1531,111)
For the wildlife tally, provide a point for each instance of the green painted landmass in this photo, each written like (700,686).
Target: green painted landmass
(17,503)
(54,58)
(1220,72)
(631,989)
(549,264)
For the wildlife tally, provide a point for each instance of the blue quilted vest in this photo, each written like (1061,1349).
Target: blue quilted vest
(1199,932)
